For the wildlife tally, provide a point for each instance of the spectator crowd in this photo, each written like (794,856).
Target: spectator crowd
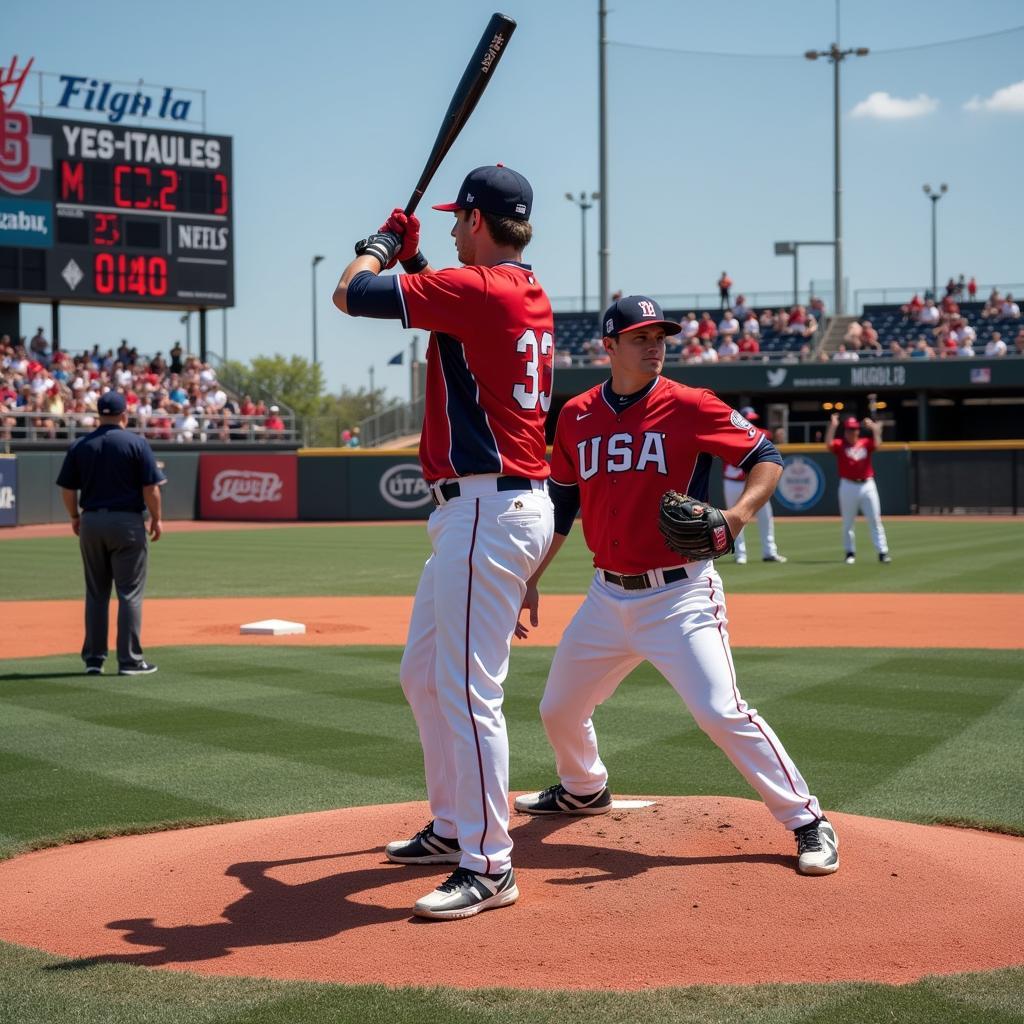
(49,394)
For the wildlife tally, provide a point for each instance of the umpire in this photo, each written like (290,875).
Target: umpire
(118,478)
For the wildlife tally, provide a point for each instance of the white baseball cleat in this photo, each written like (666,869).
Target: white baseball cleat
(817,847)
(741,559)
(466,893)
(849,559)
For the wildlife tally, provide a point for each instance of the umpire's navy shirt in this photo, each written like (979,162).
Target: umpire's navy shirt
(110,467)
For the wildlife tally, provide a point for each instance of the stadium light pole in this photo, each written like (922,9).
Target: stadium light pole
(602,152)
(935,195)
(837,56)
(584,202)
(316,260)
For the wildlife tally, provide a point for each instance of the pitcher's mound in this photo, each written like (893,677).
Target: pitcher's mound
(695,890)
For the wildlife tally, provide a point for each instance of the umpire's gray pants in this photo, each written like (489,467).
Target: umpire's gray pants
(114,550)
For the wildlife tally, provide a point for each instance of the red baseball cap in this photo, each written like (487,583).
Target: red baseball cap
(852,423)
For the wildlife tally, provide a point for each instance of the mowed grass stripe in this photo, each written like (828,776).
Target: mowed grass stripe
(851,722)
(980,764)
(946,556)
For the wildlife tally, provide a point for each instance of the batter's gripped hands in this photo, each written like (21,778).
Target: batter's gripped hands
(407,227)
(531,603)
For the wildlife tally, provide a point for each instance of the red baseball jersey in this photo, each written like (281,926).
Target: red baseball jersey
(854,459)
(624,460)
(489,369)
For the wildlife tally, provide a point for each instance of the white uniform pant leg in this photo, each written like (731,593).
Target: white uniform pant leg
(733,489)
(683,632)
(485,551)
(419,683)
(766,526)
(871,509)
(849,500)
(591,660)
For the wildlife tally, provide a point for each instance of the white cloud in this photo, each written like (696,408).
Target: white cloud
(1008,100)
(883,107)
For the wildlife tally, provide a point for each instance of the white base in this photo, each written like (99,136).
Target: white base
(628,805)
(274,627)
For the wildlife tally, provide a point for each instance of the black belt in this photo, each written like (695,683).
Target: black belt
(503,483)
(132,510)
(641,580)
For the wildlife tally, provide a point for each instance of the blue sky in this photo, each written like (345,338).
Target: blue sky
(333,107)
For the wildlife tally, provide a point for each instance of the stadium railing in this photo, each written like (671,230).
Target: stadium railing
(42,428)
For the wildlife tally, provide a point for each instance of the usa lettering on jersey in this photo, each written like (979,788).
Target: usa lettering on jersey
(618,454)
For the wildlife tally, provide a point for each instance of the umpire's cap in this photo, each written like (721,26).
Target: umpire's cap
(632,312)
(494,189)
(111,404)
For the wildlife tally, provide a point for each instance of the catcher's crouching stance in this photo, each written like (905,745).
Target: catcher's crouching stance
(656,595)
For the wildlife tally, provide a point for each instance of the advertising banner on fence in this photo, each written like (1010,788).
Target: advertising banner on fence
(248,486)
(8,490)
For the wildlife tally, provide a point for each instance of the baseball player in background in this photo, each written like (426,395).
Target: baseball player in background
(617,447)
(482,450)
(733,479)
(857,489)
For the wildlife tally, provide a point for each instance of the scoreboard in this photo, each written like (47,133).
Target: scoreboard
(114,215)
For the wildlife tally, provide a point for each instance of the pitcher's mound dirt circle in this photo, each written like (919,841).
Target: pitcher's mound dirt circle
(687,891)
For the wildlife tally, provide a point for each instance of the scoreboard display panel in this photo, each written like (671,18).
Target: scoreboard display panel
(114,215)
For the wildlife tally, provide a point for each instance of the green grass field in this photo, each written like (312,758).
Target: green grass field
(929,736)
(929,557)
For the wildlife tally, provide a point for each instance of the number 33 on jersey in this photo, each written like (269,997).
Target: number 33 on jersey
(487,390)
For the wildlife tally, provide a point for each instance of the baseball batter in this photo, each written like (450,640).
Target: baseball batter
(617,448)
(857,488)
(733,481)
(482,450)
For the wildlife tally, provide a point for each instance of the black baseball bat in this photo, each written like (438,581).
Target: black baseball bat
(478,73)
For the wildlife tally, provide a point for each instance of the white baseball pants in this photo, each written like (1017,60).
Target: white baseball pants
(485,548)
(765,521)
(681,630)
(854,497)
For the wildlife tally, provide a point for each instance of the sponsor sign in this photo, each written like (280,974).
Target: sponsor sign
(248,486)
(100,98)
(26,222)
(8,490)
(403,486)
(801,485)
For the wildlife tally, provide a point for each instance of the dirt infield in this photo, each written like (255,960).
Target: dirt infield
(34,628)
(694,890)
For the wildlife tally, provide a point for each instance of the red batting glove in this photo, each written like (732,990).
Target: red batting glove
(408,229)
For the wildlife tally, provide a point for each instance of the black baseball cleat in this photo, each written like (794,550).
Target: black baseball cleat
(426,847)
(558,800)
(94,668)
(884,558)
(817,848)
(775,558)
(144,668)
(466,893)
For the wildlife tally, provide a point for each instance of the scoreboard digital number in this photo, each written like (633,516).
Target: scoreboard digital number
(115,215)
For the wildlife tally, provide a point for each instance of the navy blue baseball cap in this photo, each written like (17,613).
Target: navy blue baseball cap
(111,404)
(635,311)
(494,189)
